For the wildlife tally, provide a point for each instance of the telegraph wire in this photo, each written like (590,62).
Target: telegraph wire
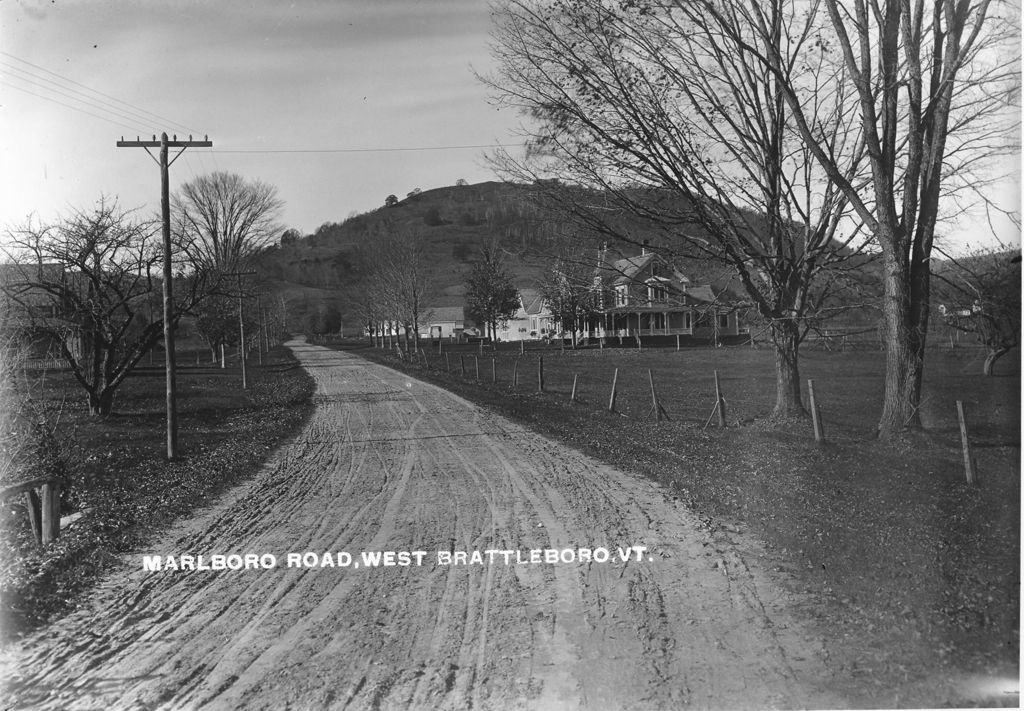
(75,108)
(82,98)
(363,150)
(155,116)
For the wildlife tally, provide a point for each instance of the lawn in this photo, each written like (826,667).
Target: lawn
(911,574)
(119,477)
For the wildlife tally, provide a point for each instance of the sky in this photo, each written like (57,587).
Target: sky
(316,97)
(338,79)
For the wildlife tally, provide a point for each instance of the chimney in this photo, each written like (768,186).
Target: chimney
(643,248)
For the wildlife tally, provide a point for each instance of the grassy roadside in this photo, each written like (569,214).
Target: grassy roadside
(120,479)
(911,575)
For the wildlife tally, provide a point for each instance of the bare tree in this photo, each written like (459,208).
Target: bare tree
(224,219)
(657,118)
(404,280)
(980,293)
(491,297)
(568,285)
(935,85)
(85,283)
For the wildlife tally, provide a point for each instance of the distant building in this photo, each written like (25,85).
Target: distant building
(443,322)
(531,321)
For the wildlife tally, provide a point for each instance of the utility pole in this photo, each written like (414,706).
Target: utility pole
(165,210)
(241,323)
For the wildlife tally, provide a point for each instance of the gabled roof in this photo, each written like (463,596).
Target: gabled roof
(533,301)
(444,314)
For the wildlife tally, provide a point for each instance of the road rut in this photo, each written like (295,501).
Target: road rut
(388,463)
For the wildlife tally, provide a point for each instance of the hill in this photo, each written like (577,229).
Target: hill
(455,221)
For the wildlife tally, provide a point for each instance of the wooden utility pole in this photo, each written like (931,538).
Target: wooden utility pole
(241,323)
(165,211)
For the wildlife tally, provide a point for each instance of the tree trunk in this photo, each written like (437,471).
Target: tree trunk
(786,337)
(904,342)
(994,354)
(101,402)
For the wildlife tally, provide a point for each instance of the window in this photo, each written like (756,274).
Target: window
(723,320)
(687,322)
(658,321)
(656,293)
(622,295)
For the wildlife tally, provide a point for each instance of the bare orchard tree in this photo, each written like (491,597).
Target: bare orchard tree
(224,219)
(654,114)
(936,88)
(980,293)
(85,283)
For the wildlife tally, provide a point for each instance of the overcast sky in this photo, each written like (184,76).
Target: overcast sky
(338,78)
(315,75)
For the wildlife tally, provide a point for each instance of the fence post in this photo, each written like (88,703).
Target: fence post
(476,363)
(611,400)
(494,372)
(51,516)
(720,401)
(447,363)
(819,434)
(462,364)
(656,408)
(572,397)
(515,374)
(965,443)
(677,341)
(34,514)
(522,347)
(540,374)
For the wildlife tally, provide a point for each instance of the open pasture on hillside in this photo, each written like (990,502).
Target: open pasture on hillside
(911,574)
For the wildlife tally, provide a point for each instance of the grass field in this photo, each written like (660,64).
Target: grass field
(120,479)
(911,574)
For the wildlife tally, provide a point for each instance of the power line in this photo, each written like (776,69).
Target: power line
(162,119)
(89,101)
(75,108)
(363,150)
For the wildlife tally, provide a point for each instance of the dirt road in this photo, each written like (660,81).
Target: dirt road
(390,464)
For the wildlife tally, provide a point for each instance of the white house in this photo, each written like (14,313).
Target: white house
(443,321)
(531,321)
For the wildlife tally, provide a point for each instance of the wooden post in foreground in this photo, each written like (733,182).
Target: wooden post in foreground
(494,372)
(819,434)
(656,408)
(515,373)
(677,341)
(572,397)
(51,512)
(447,364)
(462,364)
(522,347)
(540,374)
(965,443)
(611,400)
(476,364)
(720,401)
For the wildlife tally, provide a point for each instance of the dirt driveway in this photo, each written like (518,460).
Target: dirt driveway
(388,464)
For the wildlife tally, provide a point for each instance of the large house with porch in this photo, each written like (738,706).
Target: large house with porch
(644,295)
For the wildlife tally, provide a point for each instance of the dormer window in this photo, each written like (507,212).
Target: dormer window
(656,293)
(622,295)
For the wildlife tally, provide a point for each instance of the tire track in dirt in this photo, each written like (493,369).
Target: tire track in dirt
(390,463)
